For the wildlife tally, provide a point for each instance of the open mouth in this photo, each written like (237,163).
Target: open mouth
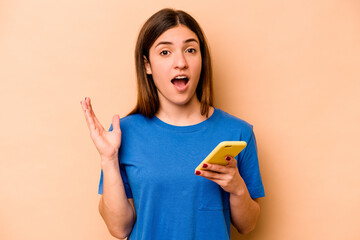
(180,82)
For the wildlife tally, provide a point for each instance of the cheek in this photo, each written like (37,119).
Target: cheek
(198,63)
(160,68)
(198,67)
(160,75)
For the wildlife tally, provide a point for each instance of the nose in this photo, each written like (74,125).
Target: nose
(180,61)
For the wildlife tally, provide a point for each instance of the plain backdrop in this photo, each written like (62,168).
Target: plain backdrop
(290,68)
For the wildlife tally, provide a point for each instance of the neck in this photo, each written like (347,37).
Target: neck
(181,115)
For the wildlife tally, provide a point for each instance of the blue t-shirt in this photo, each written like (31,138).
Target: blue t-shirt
(158,161)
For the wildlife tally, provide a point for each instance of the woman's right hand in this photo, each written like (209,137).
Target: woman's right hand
(107,143)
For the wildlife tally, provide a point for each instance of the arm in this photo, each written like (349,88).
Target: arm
(244,210)
(116,210)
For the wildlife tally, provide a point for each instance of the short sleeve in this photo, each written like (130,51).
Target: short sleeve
(124,179)
(248,165)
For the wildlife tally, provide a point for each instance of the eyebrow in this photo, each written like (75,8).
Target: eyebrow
(170,43)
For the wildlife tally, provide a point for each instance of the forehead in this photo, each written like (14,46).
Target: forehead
(178,34)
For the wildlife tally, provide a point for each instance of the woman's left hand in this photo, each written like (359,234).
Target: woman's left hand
(228,177)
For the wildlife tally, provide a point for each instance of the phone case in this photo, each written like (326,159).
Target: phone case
(223,149)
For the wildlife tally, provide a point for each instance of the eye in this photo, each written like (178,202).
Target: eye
(164,52)
(191,50)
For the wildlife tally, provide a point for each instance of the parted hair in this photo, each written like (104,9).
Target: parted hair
(147,96)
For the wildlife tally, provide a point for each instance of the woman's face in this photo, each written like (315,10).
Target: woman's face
(175,65)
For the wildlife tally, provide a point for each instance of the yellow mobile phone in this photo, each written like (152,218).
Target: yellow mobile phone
(223,149)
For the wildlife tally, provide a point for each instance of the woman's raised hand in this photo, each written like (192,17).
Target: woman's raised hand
(107,143)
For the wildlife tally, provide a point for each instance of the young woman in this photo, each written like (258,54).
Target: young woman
(149,186)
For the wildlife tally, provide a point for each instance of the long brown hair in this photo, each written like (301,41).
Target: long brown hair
(147,98)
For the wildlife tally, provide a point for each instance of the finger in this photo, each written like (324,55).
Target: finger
(209,175)
(232,162)
(85,103)
(92,126)
(82,105)
(219,182)
(88,102)
(215,168)
(116,123)
(84,108)
(92,113)
(96,121)
(88,116)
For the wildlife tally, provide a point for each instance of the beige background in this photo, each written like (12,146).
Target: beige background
(291,68)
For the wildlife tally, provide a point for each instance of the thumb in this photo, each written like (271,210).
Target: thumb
(116,123)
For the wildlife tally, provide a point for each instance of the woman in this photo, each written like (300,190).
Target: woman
(148,184)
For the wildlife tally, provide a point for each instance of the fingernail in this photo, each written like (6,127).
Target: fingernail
(197,172)
(205,165)
(228,158)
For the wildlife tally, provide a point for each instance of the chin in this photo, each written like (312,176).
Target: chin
(184,102)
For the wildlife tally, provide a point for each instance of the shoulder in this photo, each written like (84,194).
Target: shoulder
(133,120)
(232,121)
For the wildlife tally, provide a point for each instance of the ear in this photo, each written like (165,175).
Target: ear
(147,66)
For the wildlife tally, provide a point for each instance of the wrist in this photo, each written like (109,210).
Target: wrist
(106,161)
(240,190)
